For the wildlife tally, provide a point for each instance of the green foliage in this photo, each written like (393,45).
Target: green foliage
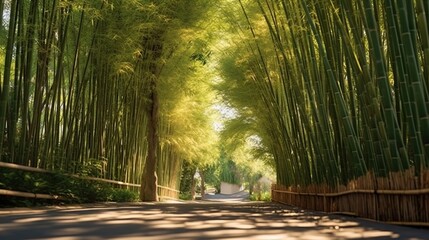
(229,172)
(92,167)
(73,189)
(187,179)
(185,196)
(261,196)
(211,176)
(237,167)
(201,57)
(123,195)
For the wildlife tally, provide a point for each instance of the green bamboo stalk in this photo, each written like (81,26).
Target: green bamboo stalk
(355,147)
(384,87)
(423,29)
(419,93)
(53,96)
(4,91)
(403,86)
(321,126)
(1,11)
(14,106)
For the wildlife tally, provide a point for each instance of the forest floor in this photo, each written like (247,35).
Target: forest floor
(220,219)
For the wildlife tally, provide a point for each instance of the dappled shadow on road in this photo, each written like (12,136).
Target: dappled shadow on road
(197,220)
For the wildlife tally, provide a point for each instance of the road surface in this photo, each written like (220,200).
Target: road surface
(191,220)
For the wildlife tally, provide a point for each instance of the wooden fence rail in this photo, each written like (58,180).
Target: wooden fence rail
(163,192)
(367,197)
(30,195)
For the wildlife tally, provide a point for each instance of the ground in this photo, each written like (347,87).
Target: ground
(224,218)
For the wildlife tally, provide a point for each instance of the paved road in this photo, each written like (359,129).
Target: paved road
(191,220)
(241,196)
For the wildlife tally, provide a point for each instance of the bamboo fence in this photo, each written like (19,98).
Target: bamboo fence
(167,193)
(400,198)
(163,192)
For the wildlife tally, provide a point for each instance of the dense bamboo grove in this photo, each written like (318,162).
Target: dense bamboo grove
(334,89)
(88,87)
(325,91)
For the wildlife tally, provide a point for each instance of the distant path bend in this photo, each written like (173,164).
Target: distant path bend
(191,220)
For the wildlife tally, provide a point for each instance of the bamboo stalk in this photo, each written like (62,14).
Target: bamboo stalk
(4,90)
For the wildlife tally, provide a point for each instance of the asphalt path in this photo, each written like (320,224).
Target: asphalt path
(218,218)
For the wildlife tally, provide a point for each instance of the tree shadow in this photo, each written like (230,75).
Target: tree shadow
(192,220)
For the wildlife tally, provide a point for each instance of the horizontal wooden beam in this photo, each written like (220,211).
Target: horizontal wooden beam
(364,191)
(30,195)
(21,167)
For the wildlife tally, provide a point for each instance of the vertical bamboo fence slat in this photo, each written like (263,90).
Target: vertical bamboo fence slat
(375,197)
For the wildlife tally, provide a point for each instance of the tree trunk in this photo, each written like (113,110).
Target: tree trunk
(193,187)
(148,190)
(251,186)
(203,185)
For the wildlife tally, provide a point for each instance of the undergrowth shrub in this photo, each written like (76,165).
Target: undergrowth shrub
(74,190)
(263,196)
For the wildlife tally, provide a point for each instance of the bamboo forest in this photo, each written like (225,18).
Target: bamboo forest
(329,99)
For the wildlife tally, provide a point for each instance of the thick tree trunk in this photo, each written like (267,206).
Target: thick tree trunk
(148,190)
